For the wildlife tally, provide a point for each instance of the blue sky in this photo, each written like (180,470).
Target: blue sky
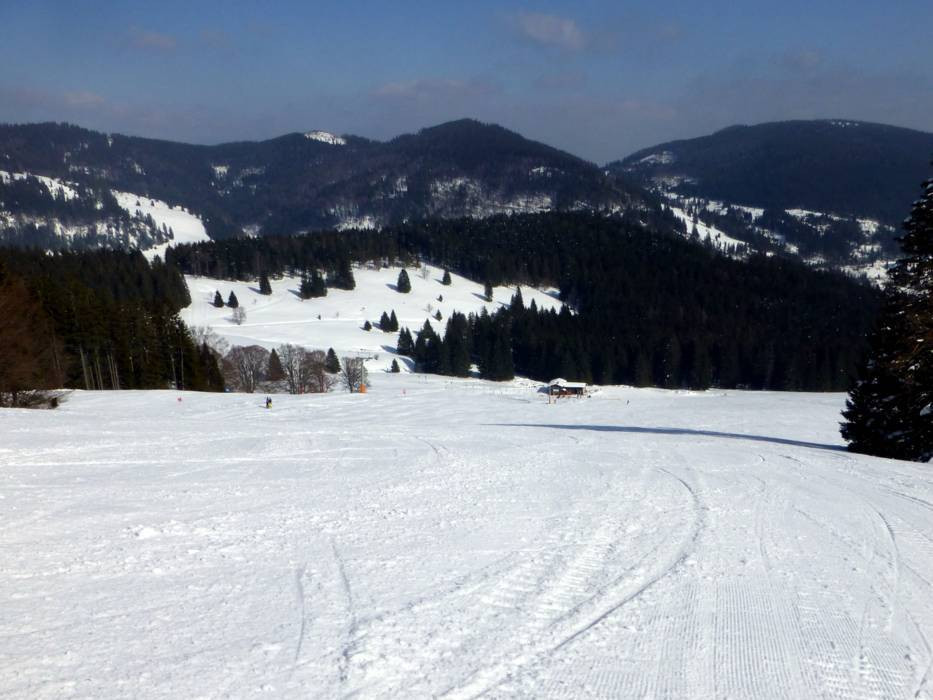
(600,79)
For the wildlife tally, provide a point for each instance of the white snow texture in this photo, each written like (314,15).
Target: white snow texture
(439,537)
(283,317)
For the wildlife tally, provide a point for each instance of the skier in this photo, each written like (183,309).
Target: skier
(268,402)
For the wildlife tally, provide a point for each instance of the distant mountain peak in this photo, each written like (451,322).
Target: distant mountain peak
(305,180)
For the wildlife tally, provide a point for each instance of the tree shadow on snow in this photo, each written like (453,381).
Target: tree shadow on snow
(680,431)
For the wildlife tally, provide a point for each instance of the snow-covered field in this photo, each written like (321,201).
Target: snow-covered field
(283,317)
(453,538)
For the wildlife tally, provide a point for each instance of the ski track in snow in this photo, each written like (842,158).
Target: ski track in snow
(445,538)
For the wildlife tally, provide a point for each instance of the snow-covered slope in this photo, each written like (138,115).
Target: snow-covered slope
(866,253)
(454,538)
(56,187)
(152,227)
(337,320)
(184,226)
(718,238)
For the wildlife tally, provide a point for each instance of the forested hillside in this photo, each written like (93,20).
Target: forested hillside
(832,192)
(649,308)
(102,320)
(300,182)
(835,166)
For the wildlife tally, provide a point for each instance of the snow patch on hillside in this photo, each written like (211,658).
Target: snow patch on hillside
(544,171)
(718,238)
(186,227)
(56,187)
(326,137)
(336,320)
(661,158)
(357,222)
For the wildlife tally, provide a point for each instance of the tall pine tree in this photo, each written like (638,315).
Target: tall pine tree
(406,345)
(331,363)
(274,372)
(264,286)
(890,411)
(404,284)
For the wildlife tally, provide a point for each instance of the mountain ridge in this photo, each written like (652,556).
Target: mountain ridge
(295,183)
(829,191)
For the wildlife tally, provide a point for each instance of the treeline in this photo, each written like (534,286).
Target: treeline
(102,320)
(648,307)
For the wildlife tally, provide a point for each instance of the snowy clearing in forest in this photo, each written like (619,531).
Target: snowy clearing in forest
(452,538)
(283,317)
(185,226)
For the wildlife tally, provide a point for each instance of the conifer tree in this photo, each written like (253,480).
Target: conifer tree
(274,372)
(218,300)
(384,323)
(438,315)
(456,345)
(232,301)
(393,322)
(264,286)
(404,284)
(487,291)
(367,326)
(518,303)
(427,352)
(445,280)
(395,368)
(889,413)
(317,287)
(331,362)
(213,378)
(406,345)
(305,289)
(342,275)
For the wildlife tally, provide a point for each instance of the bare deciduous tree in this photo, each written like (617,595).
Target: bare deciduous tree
(206,334)
(353,373)
(244,367)
(319,381)
(305,370)
(294,367)
(239,315)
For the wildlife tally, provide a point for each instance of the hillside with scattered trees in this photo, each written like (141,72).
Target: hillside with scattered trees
(646,307)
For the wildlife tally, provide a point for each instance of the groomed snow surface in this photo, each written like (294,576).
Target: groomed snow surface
(454,538)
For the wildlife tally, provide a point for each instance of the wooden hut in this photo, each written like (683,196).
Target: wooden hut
(559,388)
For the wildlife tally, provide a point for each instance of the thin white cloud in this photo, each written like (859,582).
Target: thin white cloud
(84,98)
(432,89)
(551,31)
(154,41)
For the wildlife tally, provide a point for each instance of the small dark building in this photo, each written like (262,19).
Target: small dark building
(559,388)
